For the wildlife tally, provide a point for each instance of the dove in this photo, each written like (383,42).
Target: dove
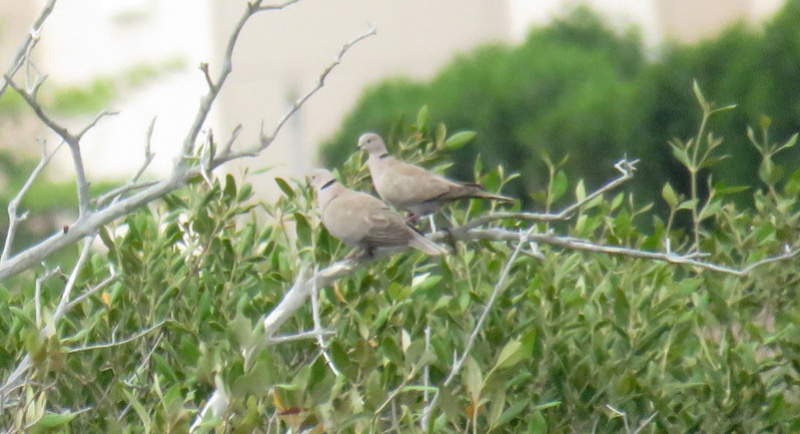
(412,188)
(363,221)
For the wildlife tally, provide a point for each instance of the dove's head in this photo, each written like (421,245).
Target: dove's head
(326,185)
(373,144)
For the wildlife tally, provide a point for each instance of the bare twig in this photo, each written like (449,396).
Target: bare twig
(323,345)
(37,295)
(117,343)
(79,299)
(63,304)
(276,7)
(148,154)
(215,86)
(499,234)
(73,141)
(313,334)
(13,218)
(267,139)
(24,50)
(522,240)
(627,168)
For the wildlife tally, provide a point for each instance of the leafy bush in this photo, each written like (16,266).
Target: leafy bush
(562,337)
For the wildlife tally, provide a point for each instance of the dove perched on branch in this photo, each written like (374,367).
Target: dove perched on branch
(412,188)
(363,221)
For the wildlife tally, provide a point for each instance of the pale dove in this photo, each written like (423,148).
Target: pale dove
(364,221)
(412,188)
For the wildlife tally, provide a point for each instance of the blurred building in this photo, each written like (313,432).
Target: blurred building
(279,57)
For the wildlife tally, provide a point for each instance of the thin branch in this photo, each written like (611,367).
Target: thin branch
(215,86)
(92,291)
(127,340)
(276,7)
(91,125)
(313,334)
(499,234)
(72,141)
(27,44)
(266,140)
(13,218)
(522,239)
(148,154)
(209,81)
(63,304)
(627,168)
(323,345)
(113,195)
(234,135)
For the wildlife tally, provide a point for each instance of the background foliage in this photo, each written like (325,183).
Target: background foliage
(577,88)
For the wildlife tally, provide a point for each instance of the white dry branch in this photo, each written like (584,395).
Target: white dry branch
(93,214)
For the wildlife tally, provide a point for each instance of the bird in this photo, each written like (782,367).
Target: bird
(363,221)
(412,188)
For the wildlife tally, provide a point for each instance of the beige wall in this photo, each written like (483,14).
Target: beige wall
(693,20)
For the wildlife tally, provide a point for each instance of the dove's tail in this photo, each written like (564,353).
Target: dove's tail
(421,243)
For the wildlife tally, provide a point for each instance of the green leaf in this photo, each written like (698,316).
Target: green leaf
(537,425)
(710,209)
(284,186)
(459,139)
(699,95)
(558,187)
(422,118)
(789,143)
(687,204)
(440,135)
(473,379)
(516,351)
(580,191)
(669,195)
(680,154)
(513,411)
(52,420)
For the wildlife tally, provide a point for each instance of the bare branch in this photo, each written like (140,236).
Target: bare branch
(92,291)
(72,141)
(127,340)
(626,167)
(276,7)
(211,86)
(24,50)
(522,239)
(63,304)
(313,334)
(323,345)
(148,154)
(265,139)
(91,125)
(499,234)
(13,218)
(215,86)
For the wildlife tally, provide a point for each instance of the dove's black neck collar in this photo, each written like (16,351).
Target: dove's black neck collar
(327,184)
(384,155)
